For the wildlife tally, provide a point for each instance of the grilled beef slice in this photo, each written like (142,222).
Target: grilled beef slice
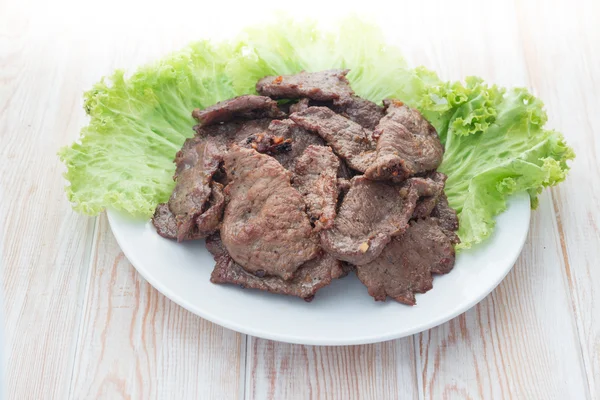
(436,205)
(206,223)
(322,86)
(447,218)
(371,213)
(310,277)
(301,105)
(406,264)
(265,227)
(299,139)
(228,133)
(430,195)
(406,144)
(210,220)
(244,107)
(196,164)
(315,177)
(362,111)
(165,223)
(348,139)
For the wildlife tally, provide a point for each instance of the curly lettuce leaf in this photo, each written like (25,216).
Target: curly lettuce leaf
(495,141)
(512,154)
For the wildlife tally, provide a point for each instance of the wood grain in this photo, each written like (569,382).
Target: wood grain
(46,246)
(562,55)
(520,342)
(286,371)
(136,343)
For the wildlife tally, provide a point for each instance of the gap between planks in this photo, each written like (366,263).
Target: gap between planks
(83,302)
(571,292)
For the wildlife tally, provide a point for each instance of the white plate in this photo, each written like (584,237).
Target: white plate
(342,313)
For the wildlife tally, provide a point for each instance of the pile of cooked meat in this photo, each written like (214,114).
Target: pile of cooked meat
(307,182)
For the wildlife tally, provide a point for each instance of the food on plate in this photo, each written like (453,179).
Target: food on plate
(324,86)
(316,178)
(265,225)
(406,264)
(243,107)
(370,214)
(495,140)
(476,145)
(406,144)
(345,137)
(291,215)
(310,277)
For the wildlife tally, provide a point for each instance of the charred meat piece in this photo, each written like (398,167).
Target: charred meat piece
(268,144)
(206,223)
(196,164)
(294,138)
(370,214)
(406,144)
(231,132)
(447,218)
(165,223)
(245,107)
(323,85)
(434,188)
(348,139)
(406,265)
(310,277)
(301,105)
(362,111)
(315,177)
(209,221)
(265,226)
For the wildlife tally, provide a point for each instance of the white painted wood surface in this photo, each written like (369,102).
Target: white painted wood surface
(81,324)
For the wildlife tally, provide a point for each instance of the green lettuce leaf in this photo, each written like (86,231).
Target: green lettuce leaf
(495,141)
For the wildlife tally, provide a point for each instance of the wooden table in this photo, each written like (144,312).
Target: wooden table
(81,323)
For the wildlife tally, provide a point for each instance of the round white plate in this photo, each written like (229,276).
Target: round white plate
(342,313)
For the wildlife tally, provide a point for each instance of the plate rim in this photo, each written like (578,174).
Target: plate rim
(459,309)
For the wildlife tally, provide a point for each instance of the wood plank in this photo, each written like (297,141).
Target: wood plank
(562,55)
(45,245)
(136,343)
(520,342)
(44,69)
(287,371)
(511,345)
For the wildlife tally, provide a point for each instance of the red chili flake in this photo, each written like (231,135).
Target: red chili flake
(278,79)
